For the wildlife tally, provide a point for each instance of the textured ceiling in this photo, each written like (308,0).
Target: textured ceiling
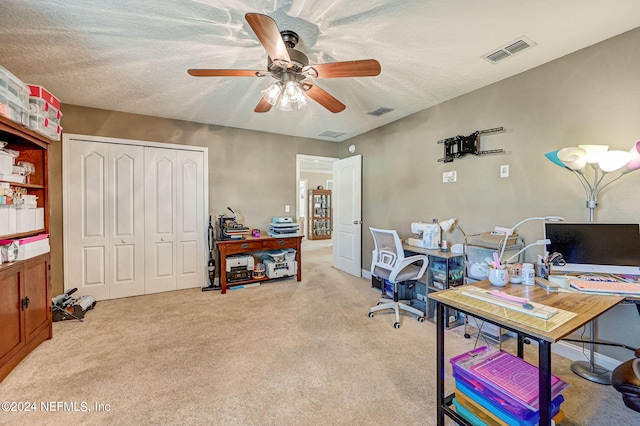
(133,56)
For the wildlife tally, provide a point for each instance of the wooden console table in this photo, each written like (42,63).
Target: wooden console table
(253,244)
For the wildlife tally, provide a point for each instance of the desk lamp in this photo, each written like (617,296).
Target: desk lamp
(510,231)
(601,161)
(448,226)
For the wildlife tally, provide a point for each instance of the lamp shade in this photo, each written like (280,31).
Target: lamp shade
(594,152)
(446,225)
(553,157)
(634,163)
(611,161)
(573,157)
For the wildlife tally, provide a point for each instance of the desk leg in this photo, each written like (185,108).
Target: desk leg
(440,361)
(520,346)
(223,271)
(544,384)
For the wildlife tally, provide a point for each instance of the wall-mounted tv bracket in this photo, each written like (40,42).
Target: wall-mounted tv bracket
(459,146)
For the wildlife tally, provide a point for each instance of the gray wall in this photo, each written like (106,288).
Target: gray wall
(589,97)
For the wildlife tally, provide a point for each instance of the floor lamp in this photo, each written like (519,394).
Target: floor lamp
(602,162)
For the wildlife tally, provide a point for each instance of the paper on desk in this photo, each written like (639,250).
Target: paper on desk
(529,320)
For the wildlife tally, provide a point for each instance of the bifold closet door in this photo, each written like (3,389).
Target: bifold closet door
(174,223)
(105,251)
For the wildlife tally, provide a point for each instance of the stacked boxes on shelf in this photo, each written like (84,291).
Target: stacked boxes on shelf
(44,112)
(14,98)
(27,247)
(497,388)
(30,105)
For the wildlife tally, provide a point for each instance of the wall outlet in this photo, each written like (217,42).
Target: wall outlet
(449,176)
(504,171)
(287,208)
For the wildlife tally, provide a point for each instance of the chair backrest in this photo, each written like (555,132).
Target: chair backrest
(388,250)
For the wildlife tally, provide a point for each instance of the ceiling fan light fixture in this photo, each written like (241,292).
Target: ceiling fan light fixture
(272,93)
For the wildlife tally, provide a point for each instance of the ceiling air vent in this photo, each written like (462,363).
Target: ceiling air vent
(509,49)
(380,111)
(332,134)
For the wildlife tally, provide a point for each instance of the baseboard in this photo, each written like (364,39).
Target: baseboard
(575,353)
(366,274)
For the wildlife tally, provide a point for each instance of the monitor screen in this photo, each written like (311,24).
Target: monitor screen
(596,247)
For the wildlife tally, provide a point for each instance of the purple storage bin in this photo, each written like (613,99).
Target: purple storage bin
(504,379)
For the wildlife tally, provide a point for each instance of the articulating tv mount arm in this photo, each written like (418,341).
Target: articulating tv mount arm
(459,146)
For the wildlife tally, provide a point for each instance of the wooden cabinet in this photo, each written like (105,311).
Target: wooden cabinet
(25,299)
(320,225)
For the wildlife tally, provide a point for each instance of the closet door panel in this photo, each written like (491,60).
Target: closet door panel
(126,189)
(190,220)
(160,220)
(88,246)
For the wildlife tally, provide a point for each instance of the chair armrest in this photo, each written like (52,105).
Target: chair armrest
(408,261)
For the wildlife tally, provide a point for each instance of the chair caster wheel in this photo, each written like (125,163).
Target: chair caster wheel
(396,325)
(420,319)
(467,336)
(370,314)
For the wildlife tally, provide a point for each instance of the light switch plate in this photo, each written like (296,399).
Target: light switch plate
(504,171)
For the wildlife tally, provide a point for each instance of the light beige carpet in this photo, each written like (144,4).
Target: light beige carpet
(282,353)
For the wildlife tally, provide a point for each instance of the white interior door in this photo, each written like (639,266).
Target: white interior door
(125,193)
(190,219)
(160,219)
(104,240)
(347,215)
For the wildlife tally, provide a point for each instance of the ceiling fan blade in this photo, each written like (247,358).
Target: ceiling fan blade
(324,98)
(267,32)
(225,73)
(362,68)
(263,106)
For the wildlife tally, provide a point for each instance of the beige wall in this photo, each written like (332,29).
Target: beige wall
(254,173)
(589,97)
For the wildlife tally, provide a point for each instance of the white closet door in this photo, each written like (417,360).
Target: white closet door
(160,220)
(190,219)
(126,203)
(87,253)
(106,244)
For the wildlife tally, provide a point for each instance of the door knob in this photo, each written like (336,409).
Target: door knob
(355,222)
(162,239)
(124,241)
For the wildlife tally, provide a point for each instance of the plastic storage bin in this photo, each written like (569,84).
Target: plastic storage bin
(492,413)
(12,87)
(503,379)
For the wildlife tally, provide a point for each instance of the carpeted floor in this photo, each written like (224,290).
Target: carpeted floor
(282,353)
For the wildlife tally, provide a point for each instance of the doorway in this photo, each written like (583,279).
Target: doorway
(312,171)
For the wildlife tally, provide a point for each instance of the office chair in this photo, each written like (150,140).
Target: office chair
(625,378)
(390,264)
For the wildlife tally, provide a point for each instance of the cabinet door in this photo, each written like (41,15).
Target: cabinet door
(12,336)
(160,220)
(36,288)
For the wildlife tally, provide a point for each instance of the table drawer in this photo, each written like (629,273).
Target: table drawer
(276,244)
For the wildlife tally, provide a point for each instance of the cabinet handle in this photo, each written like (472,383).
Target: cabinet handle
(124,241)
(25,303)
(245,245)
(281,242)
(161,239)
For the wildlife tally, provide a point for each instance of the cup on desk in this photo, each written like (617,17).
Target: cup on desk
(499,277)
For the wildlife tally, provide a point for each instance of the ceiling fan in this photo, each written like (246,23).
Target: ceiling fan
(291,69)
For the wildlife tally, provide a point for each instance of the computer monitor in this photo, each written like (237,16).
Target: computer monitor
(611,248)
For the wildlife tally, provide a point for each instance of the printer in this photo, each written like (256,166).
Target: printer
(239,267)
(283,227)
